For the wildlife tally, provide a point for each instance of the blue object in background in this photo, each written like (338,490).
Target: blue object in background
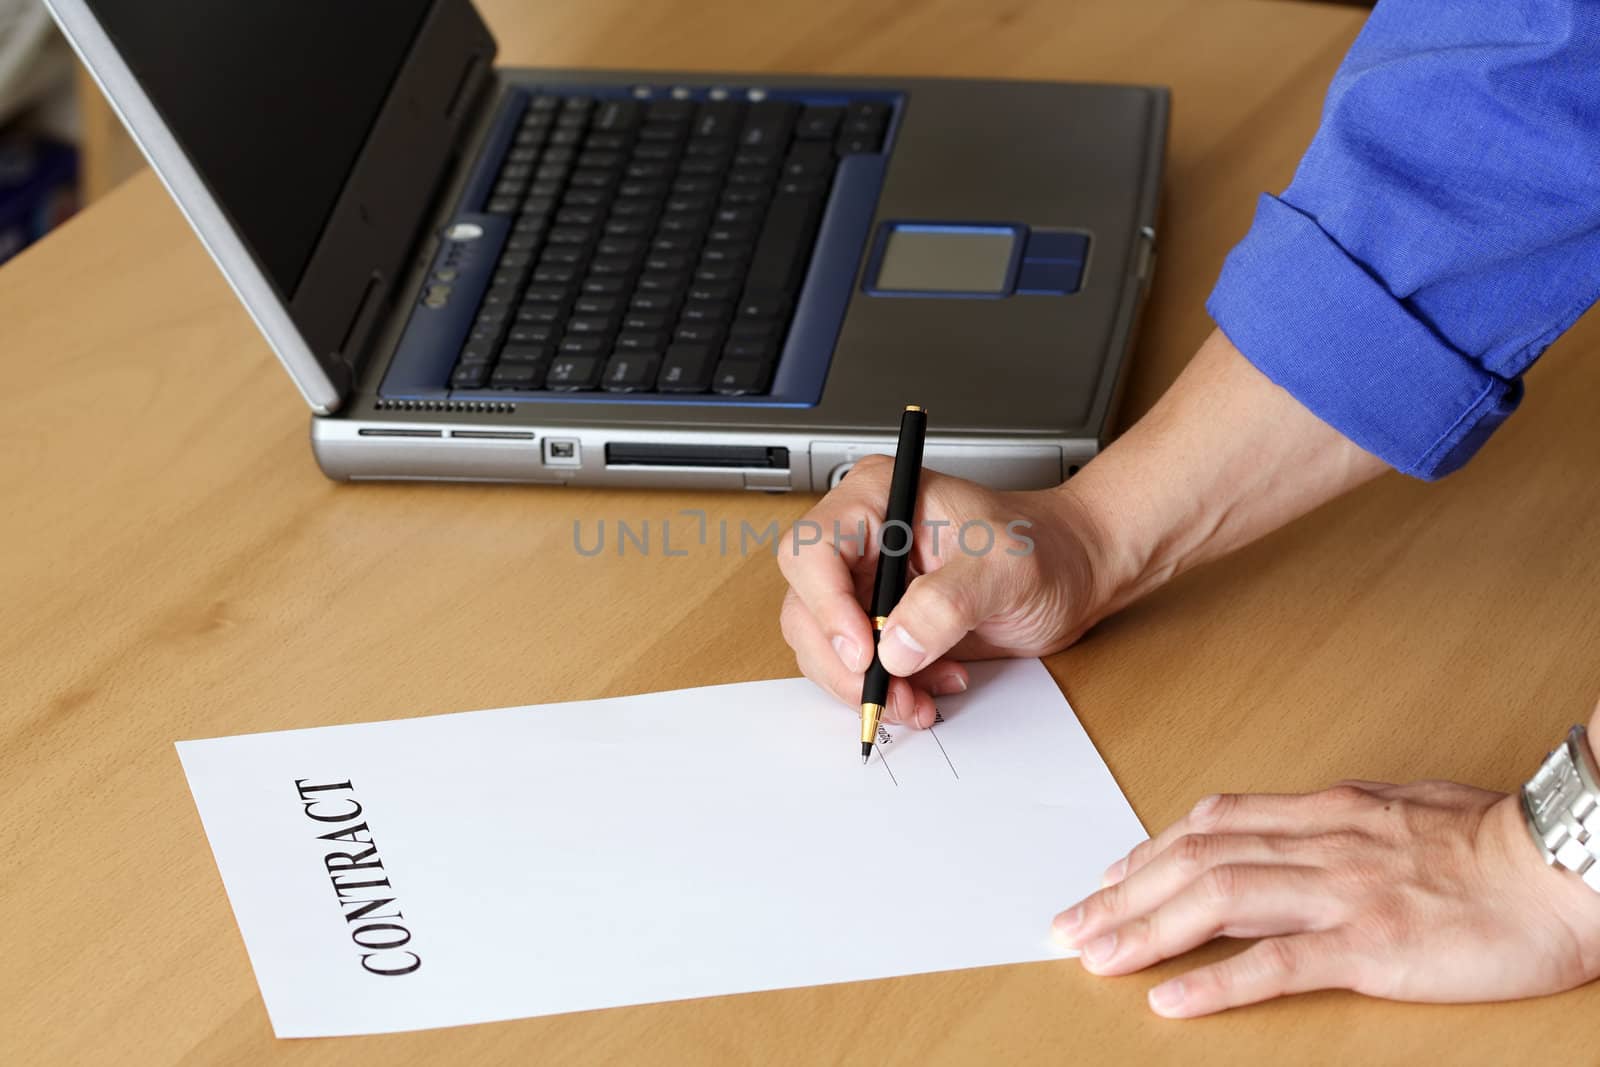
(1442,230)
(38,189)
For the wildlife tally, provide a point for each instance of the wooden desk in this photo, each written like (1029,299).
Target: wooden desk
(174,566)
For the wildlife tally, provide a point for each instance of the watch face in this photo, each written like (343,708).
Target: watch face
(1553,789)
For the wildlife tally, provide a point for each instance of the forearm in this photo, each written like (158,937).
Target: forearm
(1224,458)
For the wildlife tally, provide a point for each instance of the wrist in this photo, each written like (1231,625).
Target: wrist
(1118,560)
(1551,889)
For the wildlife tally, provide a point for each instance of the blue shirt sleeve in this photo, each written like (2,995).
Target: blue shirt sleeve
(1441,231)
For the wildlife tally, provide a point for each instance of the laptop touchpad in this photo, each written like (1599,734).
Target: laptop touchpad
(956,260)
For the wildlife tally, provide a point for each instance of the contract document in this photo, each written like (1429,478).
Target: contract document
(527,861)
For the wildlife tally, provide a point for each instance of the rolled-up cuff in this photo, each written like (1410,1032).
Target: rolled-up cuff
(1315,322)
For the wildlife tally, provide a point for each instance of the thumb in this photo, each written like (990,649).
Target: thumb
(937,611)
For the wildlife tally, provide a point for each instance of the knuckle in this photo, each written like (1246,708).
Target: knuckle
(1279,956)
(1108,903)
(1192,851)
(1220,884)
(1211,812)
(1346,795)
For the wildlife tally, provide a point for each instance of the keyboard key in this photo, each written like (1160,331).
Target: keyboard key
(608,142)
(669,111)
(631,372)
(540,314)
(598,181)
(645,320)
(547,294)
(664,282)
(591,325)
(819,123)
(478,352)
(707,311)
(627,227)
(685,368)
(605,285)
(742,349)
(619,246)
(703,166)
(517,376)
(661,133)
(655,152)
(578,216)
(731,255)
(612,267)
(531,334)
(709,334)
(741,377)
(718,119)
(756,330)
(642,341)
(765,306)
(583,346)
(672,244)
(526,353)
(768,123)
(556,274)
(570,235)
(617,115)
(868,111)
(785,244)
(470,376)
(649,302)
(808,159)
(569,373)
(854,146)
(644,190)
(593,304)
(562,254)
(712,291)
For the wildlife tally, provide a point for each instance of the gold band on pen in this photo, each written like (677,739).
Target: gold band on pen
(916,407)
(869,722)
(880,621)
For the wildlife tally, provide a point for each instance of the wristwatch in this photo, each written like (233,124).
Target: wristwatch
(1562,805)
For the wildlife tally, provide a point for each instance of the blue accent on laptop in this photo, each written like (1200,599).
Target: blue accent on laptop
(1053,263)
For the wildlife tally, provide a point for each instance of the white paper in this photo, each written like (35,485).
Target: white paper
(640,849)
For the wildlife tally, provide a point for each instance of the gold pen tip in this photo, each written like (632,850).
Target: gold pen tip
(916,407)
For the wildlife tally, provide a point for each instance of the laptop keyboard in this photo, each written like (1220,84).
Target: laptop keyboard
(657,245)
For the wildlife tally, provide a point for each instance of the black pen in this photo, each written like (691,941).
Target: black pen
(894,550)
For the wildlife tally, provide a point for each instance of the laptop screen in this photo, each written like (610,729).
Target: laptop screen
(272,101)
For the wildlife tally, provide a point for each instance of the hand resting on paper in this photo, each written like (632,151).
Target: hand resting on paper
(1426,892)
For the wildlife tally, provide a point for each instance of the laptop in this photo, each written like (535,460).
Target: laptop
(637,278)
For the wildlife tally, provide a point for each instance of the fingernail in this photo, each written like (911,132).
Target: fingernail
(898,633)
(1101,949)
(949,685)
(1205,804)
(1068,921)
(925,718)
(1115,873)
(1167,996)
(848,651)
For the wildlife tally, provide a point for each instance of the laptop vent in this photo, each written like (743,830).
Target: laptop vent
(477,407)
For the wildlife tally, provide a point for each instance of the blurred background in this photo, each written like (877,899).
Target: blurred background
(61,146)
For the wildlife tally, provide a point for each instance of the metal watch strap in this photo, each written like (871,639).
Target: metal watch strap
(1562,806)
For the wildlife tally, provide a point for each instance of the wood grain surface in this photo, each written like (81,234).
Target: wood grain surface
(173,565)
